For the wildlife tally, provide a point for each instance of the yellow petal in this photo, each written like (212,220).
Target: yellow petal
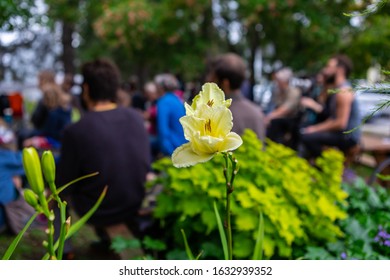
(184,156)
(211,95)
(191,126)
(189,110)
(221,121)
(219,117)
(231,142)
(206,144)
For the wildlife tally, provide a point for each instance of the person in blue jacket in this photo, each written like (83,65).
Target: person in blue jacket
(170,109)
(11,165)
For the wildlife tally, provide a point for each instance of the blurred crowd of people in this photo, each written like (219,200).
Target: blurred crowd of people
(118,128)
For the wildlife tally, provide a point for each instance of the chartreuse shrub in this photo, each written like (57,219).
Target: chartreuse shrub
(300,203)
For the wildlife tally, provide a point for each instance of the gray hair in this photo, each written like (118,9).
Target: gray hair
(167,81)
(284,75)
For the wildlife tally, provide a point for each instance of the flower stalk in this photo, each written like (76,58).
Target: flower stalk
(208,127)
(37,198)
(230,171)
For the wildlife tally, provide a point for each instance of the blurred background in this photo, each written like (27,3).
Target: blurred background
(145,37)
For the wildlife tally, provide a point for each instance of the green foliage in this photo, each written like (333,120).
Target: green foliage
(158,34)
(150,245)
(15,13)
(368,219)
(298,201)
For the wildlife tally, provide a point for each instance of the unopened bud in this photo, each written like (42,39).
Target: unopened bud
(32,168)
(30,197)
(49,168)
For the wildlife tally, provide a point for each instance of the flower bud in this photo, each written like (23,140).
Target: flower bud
(48,167)
(30,197)
(32,168)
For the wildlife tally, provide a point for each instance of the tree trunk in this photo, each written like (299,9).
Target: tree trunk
(254,42)
(68,55)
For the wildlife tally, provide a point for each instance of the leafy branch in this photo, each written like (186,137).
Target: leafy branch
(373,8)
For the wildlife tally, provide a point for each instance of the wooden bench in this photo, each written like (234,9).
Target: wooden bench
(375,149)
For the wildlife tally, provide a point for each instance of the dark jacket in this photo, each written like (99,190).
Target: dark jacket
(115,144)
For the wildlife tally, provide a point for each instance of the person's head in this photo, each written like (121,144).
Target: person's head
(227,71)
(283,77)
(101,81)
(54,96)
(166,83)
(46,77)
(338,67)
(150,91)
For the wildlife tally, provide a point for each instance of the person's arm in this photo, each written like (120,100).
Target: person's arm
(343,108)
(278,113)
(289,105)
(310,103)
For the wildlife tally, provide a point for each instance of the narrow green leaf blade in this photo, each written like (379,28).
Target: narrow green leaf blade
(17,239)
(76,226)
(187,247)
(75,181)
(221,232)
(258,251)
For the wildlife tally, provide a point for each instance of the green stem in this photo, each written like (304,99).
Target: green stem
(50,245)
(229,226)
(61,243)
(229,190)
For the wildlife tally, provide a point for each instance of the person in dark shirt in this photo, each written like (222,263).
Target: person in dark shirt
(110,140)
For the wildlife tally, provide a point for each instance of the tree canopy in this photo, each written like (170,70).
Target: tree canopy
(149,36)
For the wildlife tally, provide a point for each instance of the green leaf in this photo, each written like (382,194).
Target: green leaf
(120,244)
(315,253)
(154,244)
(75,181)
(243,245)
(17,239)
(221,232)
(258,251)
(187,247)
(76,226)
(383,177)
(246,220)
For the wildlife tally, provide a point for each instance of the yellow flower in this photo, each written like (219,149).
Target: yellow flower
(207,126)
(210,95)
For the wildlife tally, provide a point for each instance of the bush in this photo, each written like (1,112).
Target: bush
(366,228)
(300,203)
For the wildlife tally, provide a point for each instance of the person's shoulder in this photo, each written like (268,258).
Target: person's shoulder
(169,98)
(345,95)
(81,125)
(129,112)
